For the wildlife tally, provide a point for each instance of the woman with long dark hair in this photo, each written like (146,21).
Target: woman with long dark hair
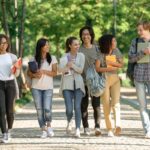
(42,85)
(7,88)
(109,61)
(72,86)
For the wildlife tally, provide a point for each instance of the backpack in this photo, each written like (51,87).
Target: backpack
(130,67)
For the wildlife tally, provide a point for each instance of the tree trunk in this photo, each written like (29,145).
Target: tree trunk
(4,18)
(21,45)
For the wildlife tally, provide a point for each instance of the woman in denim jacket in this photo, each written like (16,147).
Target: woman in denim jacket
(72,86)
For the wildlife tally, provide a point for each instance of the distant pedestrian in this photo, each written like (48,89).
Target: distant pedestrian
(110,60)
(140,53)
(42,85)
(90,50)
(72,86)
(7,88)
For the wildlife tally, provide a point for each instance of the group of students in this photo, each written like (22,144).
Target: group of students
(73,66)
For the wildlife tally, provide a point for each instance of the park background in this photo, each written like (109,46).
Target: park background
(25,21)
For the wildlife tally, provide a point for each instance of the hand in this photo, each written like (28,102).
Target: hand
(112,68)
(69,64)
(38,74)
(110,63)
(147,51)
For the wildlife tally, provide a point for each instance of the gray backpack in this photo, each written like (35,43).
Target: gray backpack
(95,82)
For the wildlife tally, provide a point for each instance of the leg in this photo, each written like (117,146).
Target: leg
(141,95)
(78,94)
(37,95)
(107,105)
(10,97)
(115,100)
(68,97)
(2,108)
(47,104)
(96,108)
(84,109)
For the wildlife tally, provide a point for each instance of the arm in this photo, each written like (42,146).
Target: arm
(38,74)
(103,69)
(51,73)
(79,69)
(133,55)
(118,64)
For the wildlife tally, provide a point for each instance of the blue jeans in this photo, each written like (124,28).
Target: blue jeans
(43,105)
(69,96)
(141,95)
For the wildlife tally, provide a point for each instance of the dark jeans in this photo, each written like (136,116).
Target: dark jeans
(7,96)
(96,108)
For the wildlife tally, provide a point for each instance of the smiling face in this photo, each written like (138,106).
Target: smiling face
(142,32)
(45,48)
(113,44)
(3,45)
(74,46)
(86,37)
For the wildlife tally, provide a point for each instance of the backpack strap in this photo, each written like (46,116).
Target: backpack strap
(136,42)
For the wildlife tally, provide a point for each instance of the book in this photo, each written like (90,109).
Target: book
(18,63)
(142,47)
(33,66)
(111,58)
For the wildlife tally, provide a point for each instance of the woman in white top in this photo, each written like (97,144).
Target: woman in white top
(42,85)
(71,66)
(7,88)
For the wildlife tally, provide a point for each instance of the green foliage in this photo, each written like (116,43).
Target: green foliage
(27,97)
(58,19)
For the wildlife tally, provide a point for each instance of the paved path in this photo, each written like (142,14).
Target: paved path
(26,133)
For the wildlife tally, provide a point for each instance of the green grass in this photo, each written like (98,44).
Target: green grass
(26,98)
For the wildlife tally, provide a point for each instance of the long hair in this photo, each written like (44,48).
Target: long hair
(69,41)
(91,31)
(105,43)
(7,39)
(38,55)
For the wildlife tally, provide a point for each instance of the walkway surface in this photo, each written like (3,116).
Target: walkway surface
(26,132)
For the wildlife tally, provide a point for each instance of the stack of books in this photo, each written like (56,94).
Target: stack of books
(111,58)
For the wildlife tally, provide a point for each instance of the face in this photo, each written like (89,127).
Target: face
(3,44)
(142,32)
(74,47)
(45,49)
(86,37)
(114,43)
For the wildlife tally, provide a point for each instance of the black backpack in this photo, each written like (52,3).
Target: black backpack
(130,67)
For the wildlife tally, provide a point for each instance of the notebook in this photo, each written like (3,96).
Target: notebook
(141,47)
(33,66)
(111,58)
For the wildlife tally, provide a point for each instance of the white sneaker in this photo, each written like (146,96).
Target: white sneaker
(97,131)
(77,134)
(110,134)
(9,134)
(87,131)
(50,132)
(5,138)
(69,127)
(44,134)
(147,136)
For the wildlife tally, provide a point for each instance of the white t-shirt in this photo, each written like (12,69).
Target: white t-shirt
(45,82)
(6,61)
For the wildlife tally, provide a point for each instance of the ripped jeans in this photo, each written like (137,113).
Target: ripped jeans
(43,105)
